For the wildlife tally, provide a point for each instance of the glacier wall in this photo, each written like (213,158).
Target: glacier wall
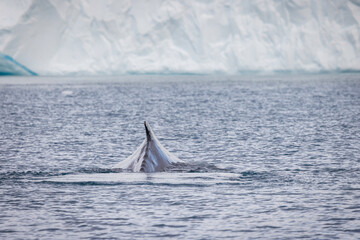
(53,37)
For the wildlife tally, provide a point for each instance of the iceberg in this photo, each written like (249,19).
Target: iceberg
(183,37)
(9,66)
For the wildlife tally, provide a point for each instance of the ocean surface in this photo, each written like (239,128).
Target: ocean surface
(267,157)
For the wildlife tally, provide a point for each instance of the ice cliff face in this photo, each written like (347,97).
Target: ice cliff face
(195,36)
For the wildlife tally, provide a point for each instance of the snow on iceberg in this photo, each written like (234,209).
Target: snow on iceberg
(166,36)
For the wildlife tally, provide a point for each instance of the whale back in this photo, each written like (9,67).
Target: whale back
(150,156)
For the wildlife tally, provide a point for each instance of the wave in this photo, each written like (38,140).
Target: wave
(180,174)
(197,174)
(178,167)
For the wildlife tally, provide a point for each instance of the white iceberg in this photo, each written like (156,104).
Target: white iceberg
(165,36)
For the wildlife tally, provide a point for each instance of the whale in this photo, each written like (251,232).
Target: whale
(149,157)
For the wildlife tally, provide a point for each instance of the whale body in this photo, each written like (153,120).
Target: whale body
(150,156)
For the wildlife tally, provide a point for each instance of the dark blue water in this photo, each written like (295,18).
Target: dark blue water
(267,157)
